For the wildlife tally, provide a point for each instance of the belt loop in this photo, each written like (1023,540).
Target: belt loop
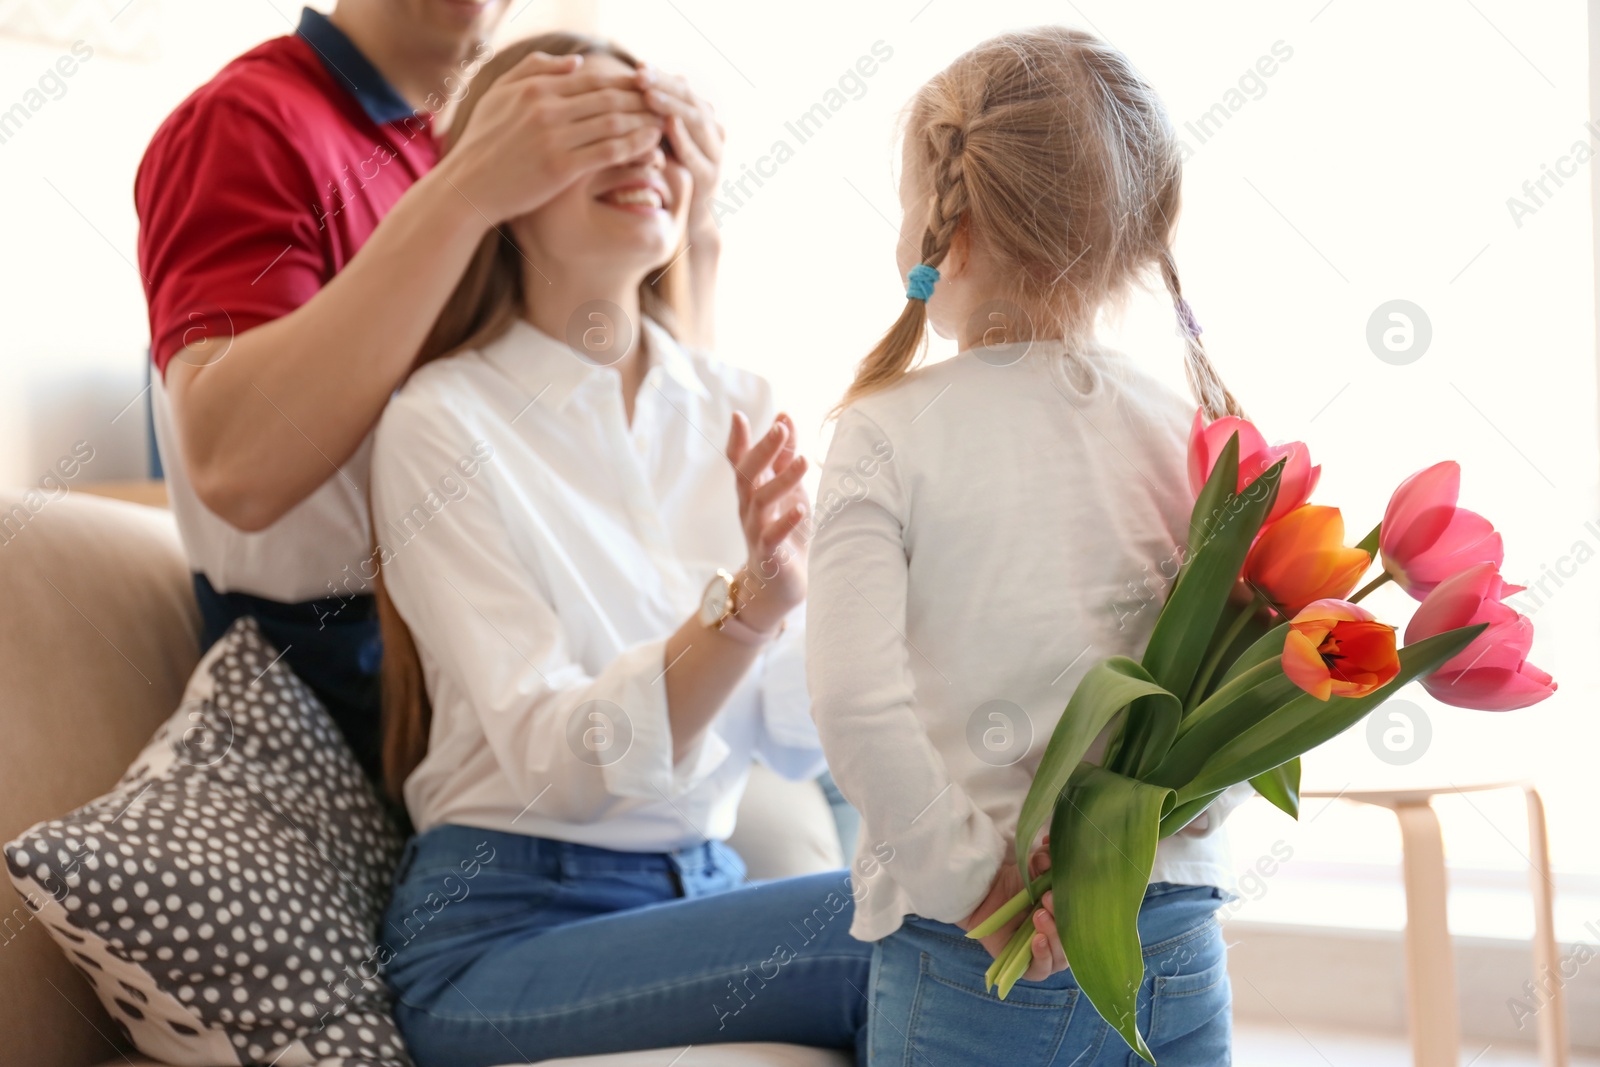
(562,858)
(675,872)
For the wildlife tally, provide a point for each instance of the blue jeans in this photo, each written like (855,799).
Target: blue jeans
(930,1009)
(507,948)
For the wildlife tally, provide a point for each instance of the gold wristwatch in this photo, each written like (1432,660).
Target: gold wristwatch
(719,610)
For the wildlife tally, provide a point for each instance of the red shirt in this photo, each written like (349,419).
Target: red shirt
(263,184)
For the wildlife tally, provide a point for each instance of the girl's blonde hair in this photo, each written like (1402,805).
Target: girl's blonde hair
(489,297)
(1050,150)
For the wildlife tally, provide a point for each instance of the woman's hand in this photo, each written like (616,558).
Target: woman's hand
(544,124)
(696,138)
(772,505)
(1048,955)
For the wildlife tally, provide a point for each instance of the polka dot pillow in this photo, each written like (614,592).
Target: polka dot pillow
(223,898)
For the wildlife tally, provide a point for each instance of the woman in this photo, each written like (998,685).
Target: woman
(574,687)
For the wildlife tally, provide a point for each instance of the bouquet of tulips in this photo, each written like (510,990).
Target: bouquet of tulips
(1260,653)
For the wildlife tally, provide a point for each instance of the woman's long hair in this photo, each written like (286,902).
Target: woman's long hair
(489,297)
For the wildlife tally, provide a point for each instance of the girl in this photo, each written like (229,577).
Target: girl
(574,686)
(993,524)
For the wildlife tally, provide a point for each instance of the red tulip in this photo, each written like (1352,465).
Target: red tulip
(1426,538)
(1336,648)
(1256,457)
(1493,672)
(1302,557)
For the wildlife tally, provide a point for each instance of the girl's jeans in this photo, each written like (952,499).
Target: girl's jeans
(507,948)
(930,1009)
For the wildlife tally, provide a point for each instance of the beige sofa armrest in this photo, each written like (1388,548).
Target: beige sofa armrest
(101,636)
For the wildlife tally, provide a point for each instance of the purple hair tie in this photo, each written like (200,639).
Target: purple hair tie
(1186,319)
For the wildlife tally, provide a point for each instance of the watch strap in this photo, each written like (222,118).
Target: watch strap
(746,634)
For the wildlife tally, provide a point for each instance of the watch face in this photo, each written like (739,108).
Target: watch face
(714,605)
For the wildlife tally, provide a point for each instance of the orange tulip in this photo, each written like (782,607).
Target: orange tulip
(1302,557)
(1335,648)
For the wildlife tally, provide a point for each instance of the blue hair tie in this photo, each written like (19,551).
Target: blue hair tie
(919,283)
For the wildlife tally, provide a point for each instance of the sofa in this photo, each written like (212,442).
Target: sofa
(96,647)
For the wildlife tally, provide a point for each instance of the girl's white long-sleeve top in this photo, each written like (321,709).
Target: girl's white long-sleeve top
(986,529)
(542,548)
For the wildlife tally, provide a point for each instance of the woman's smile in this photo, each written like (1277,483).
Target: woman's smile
(638,197)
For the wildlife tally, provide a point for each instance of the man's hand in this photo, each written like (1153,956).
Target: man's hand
(544,124)
(696,138)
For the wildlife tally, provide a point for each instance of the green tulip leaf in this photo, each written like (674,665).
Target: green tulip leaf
(1209,504)
(1369,543)
(1102,848)
(1189,619)
(1184,813)
(1268,646)
(1236,707)
(1256,624)
(1281,786)
(1107,688)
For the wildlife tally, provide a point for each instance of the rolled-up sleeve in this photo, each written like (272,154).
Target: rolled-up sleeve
(946,849)
(576,740)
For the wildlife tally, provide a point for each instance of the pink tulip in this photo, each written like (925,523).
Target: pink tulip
(1255,458)
(1426,538)
(1492,673)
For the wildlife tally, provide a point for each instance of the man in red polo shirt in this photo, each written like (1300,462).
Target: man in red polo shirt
(297,242)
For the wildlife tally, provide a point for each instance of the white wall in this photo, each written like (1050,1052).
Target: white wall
(72,320)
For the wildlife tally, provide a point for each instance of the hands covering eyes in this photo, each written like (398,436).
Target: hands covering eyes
(552,120)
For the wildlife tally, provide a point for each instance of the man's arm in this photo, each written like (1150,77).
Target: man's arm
(266,419)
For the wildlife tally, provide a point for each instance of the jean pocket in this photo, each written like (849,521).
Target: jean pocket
(955,1020)
(1192,1010)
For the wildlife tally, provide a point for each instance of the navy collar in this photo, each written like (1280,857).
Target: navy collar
(380,100)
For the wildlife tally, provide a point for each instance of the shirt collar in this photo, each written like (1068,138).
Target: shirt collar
(674,361)
(380,100)
(551,372)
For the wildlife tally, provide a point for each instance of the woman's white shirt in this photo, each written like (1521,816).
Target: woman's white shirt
(988,528)
(541,550)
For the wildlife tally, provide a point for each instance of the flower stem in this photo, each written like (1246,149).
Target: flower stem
(997,966)
(1203,678)
(1012,908)
(1008,951)
(1018,956)
(1370,586)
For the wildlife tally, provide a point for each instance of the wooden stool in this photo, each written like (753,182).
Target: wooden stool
(1432,1005)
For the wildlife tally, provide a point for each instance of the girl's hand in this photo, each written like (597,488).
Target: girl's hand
(696,138)
(545,123)
(1048,955)
(772,505)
